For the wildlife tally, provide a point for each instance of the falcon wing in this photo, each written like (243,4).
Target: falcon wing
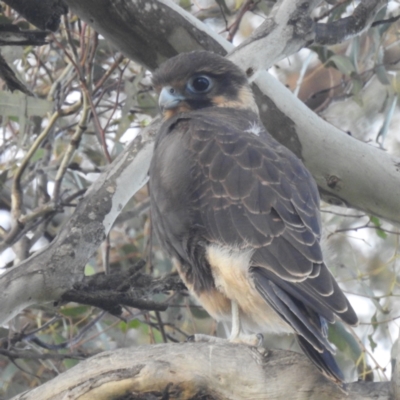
(253,193)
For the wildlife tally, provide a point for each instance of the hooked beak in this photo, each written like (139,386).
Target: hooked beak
(169,98)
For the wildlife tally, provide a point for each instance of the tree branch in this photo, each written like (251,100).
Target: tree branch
(45,14)
(287,29)
(200,370)
(128,288)
(346,28)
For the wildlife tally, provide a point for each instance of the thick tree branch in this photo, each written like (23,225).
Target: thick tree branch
(287,29)
(200,370)
(10,79)
(29,355)
(12,35)
(45,14)
(346,28)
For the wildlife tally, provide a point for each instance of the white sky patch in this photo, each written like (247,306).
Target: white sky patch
(129,135)
(365,311)
(42,242)
(8,254)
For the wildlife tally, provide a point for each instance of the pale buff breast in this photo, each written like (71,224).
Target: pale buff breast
(230,269)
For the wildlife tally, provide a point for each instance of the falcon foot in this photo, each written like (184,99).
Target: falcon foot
(250,340)
(199,337)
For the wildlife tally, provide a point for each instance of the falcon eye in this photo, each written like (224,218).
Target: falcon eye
(199,84)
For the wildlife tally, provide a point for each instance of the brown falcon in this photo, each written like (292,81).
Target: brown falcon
(238,212)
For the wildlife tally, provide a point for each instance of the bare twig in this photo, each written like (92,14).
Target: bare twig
(72,146)
(29,355)
(248,5)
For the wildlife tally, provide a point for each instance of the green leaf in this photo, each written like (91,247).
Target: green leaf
(348,345)
(69,363)
(382,74)
(185,4)
(3,178)
(343,64)
(131,91)
(20,105)
(337,12)
(377,223)
(5,20)
(39,154)
(357,86)
(128,248)
(344,341)
(372,342)
(323,53)
(89,270)
(382,28)
(380,233)
(147,103)
(7,375)
(74,311)
(124,326)
(199,312)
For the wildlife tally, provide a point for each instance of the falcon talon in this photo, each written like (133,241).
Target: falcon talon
(249,340)
(262,351)
(260,338)
(201,338)
(238,212)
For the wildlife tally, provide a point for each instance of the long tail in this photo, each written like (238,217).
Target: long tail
(324,361)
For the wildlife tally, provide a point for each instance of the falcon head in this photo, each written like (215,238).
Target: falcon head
(200,79)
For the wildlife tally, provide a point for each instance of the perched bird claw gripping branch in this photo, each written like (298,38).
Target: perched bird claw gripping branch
(238,212)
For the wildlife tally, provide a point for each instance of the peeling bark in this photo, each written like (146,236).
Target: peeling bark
(223,371)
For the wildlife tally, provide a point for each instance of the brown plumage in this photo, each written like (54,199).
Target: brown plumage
(238,212)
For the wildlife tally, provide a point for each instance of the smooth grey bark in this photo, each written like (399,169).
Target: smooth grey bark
(223,371)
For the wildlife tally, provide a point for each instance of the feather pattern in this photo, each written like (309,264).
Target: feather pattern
(223,189)
(247,191)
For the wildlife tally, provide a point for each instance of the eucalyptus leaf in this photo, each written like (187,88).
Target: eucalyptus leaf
(343,64)
(17,104)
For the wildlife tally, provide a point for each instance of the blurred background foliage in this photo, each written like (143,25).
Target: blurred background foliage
(84,101)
